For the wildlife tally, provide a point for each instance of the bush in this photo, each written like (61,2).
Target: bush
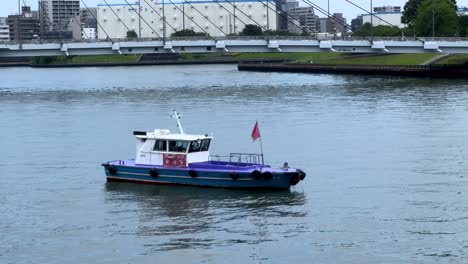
(188,33)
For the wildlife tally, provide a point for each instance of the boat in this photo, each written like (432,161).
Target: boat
(163,157)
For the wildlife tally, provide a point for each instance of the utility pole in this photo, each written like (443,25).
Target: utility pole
(139,18)
(433,20)
(372,21)
(234,18)
(18,22)
(60,20)
(164,22)
(328,17)
(268,24)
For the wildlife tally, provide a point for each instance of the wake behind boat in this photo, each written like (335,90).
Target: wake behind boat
(167,158)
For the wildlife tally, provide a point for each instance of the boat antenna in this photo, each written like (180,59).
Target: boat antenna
(177,116)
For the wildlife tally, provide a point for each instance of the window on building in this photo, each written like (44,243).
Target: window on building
(160,145)
(178,146)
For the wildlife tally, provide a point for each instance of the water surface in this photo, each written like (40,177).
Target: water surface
(385,159)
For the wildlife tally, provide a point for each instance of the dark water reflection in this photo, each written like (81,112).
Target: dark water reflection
(232,216)
(385,158)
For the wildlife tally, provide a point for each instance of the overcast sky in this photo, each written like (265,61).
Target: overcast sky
(8,7)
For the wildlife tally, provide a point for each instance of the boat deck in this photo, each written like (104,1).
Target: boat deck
(206,166)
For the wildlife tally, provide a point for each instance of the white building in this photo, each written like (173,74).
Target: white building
(215,17)
(89,33)
(462,11)
(384,16)
(4,29)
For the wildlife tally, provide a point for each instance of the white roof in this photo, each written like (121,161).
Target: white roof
(166,135)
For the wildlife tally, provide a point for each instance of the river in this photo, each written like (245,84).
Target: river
(384,156)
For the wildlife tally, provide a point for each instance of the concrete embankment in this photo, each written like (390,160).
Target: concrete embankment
(143,63)
(443,71)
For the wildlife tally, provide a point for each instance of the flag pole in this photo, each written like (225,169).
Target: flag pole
(261,145)
(261,150)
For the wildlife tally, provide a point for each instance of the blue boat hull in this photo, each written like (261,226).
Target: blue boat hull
(182,176)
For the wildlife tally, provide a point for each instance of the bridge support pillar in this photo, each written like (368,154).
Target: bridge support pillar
(116,47)
(326,45)
(379,45)
(64,49)
(431,45)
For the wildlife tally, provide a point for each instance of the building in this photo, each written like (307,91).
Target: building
(74,26)
(24,27)
(88,17)
(288,4)
(335,24)
(302,20)
(387,9)
(384,16)
(89,33)
(55,14)
(4,30)
(338,24)
(217,18)
(356,23)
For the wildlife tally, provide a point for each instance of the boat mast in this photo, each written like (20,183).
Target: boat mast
(177,117)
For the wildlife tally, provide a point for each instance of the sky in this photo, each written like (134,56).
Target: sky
(8,7)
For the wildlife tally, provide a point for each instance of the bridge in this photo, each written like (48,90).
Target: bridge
(236,44)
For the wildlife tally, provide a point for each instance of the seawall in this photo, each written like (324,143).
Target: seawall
(443,71)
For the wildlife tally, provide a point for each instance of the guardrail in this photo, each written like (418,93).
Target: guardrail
(221,38)
(253,158)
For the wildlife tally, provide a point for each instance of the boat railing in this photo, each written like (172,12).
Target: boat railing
(253,158)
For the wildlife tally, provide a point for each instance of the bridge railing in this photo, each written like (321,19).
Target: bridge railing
(221,38)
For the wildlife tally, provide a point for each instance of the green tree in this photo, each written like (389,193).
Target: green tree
(188,33)
(445,18)
(132,34)
(463,26)
(251,30)
(378,31)
(411,8)
(409,11)
(280,33)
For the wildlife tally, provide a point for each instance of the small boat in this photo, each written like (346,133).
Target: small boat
(163,157)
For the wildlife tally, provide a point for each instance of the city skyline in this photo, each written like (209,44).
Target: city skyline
(336,6)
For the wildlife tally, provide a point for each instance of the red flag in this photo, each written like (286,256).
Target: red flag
(255,132)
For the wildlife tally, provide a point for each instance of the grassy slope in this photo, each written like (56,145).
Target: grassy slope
(105,58)
(295,56)
(306,56)
(454,59)
(315,57)
(391,59)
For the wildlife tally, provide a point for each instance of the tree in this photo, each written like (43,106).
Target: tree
(251,30)
(378,31)
(188,33)
(409,11)
(411,8)
(132,34)
(445,18)
(463,26)
(280,33)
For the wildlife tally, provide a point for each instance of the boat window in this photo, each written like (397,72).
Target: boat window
(160,145)
(178,146)
(205,144)
(195,146)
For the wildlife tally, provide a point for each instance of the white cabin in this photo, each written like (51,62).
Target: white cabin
(171,150)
